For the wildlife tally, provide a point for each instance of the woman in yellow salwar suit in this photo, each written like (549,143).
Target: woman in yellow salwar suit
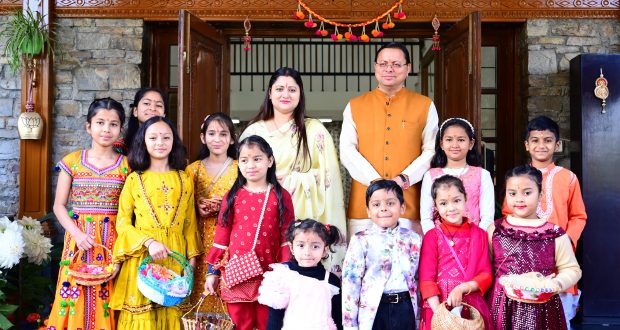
(304,150)
(156,215)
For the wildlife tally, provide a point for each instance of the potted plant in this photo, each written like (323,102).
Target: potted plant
(28,35)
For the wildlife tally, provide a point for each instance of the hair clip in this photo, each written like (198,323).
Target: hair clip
(328,227)
(202,126)
(457,118)
(297,223)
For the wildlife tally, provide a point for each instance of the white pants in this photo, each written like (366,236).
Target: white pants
(570,303)
(357,225)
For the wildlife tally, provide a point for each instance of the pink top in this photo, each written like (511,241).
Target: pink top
(472,183)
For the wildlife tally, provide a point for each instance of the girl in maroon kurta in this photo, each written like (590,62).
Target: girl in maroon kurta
(523,243)
(455,265)
(237,225)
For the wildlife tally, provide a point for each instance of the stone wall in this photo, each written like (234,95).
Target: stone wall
(100,58)
(97,58)
(551,44)
(10,102)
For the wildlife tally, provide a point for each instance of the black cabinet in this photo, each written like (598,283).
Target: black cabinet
(595,158)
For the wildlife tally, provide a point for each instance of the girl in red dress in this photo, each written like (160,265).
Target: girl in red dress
(454,265)
(256,207)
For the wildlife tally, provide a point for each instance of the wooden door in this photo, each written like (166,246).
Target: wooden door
(203,77)
(457,71)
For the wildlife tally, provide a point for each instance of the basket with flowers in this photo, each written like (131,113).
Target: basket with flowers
(162,285)
(89,274)
(532,287)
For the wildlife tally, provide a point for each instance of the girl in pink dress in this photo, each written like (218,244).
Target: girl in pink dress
(455,265)
(301,293)
(456,154)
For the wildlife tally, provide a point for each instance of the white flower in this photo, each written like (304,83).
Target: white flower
(38,246)
(31,224)
(11,243)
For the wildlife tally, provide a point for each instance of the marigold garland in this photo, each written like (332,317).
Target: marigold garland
(397,8)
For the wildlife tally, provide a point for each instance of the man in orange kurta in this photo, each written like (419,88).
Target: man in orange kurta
(561,202)
(388,133)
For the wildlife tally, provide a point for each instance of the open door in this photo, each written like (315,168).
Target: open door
(454,71)
(203,77)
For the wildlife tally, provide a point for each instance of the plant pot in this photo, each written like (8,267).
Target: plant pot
(30,126)
(32,46)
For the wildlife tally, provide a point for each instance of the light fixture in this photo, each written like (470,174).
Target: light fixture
(236,121)
(325,120)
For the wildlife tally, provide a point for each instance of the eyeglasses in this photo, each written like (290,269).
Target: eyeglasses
(394,66)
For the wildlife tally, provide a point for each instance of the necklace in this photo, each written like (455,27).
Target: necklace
(451,240)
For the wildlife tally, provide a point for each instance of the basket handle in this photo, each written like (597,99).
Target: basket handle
(80,252)
(181,260)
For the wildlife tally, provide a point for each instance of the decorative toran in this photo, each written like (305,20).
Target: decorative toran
(396,10)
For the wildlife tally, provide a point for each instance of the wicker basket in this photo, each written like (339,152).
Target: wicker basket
(206,321)
(159,292)
(443,319)
(89,279)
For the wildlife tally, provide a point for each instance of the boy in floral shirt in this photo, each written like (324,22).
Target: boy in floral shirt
(378,281)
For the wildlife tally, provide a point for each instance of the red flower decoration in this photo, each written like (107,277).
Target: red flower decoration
(33,317)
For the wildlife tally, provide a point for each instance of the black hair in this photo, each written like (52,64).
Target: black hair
(329,234)
(449,181)
(133,124)
(107,103)
(224,120)
(254,140)
(395,45)
(543,123)
(526,170)
(388,185)
(440,159)
(139,158)
(299,115)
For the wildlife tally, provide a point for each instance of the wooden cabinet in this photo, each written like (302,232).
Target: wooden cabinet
(595,158)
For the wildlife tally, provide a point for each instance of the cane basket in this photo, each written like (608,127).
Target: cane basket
(206,321)
(443,319)
(163,293)
(89,274)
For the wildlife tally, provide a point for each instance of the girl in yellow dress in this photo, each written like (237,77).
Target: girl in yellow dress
(156,216)
(93,179)
(213,173)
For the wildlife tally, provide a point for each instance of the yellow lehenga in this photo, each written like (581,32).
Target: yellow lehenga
(163,205)
(317,193)
(206,226)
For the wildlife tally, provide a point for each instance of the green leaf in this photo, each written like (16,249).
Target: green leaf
(7,309)
(4,322)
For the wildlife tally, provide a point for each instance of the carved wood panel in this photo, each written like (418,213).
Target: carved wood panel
(343,10)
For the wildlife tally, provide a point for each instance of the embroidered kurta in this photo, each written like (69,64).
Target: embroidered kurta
(237,238)
(480,206)
(206,225)
(383,137)
(440,273)
(316,190)
(94,196)
(368,265)
(301,298)
(525,245)
(164,211)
